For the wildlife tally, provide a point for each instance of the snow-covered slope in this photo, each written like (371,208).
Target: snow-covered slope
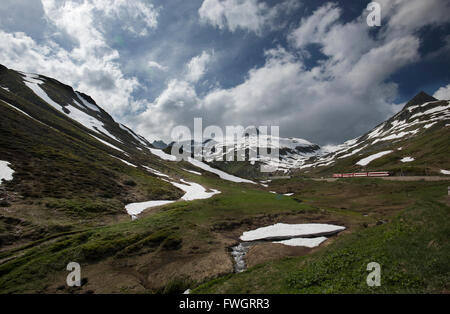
(80,111)
(419,115)
(79,108)
(256,149)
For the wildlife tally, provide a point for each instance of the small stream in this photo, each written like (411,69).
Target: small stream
(306,235)
(238,253)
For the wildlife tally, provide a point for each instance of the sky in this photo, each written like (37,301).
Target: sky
(313,68)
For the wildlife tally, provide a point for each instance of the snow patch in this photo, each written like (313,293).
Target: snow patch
(307,242)
(154,171)
(107,144)
(162,154)
(367,160)
(407,159)
(136,137)
(429,125)
(124,161)
(86,103)
(192,171)
(223,175)
(395,136)
(134,209)
(281,231)
(194,191)
(33,81)
(6,173)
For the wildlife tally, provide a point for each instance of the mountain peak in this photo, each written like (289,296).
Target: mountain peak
(420,99)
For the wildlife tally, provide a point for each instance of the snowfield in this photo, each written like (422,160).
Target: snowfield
(223,175)
(154,171)
(107,144)
(368,160)
(407,159)
(86,103)
(192,171)
(281,231)
(162,154)
(307,242)
(134,209)
(194,191)
(33,81)
(6,173)
(124,161)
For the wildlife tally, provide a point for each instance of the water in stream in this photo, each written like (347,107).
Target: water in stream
(238,253)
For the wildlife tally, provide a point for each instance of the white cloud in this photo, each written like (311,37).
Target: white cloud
(87,63)
(196,68)
(178,102)
(313,28)
(443,93)
(156,65)
(349,91)
(249,15)
(406,16)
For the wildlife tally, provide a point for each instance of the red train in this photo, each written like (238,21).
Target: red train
(362,174)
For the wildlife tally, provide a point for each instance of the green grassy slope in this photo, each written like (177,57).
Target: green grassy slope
(64,178)
(176,233)
(412,249)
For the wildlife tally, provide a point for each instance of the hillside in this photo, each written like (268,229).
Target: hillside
(414,142)
(75,185)
(73,164)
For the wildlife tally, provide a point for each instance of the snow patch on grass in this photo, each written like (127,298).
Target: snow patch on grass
(407,159)
(154,171)
(192,171)
(6,173)
(134,209)
(367,160)
(194,191)
(162,154)
(307,242)
(107,144)
(281,231)
(124,161)
(223,175)
(427,126)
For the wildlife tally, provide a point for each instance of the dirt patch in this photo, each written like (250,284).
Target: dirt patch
(265,252)
(197,269)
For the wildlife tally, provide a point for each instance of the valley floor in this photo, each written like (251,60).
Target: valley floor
(403,226)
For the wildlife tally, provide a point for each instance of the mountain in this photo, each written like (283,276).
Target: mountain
(414,141)
(159,144)
(244,156)
(70,155)
(71,177)
(419,131)
(72,183)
